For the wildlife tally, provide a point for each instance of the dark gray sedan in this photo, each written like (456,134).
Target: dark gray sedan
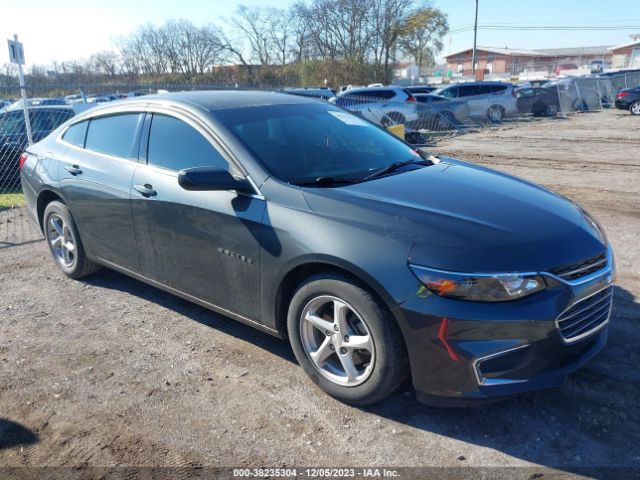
(290,214)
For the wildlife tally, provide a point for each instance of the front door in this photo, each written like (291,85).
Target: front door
(205,244)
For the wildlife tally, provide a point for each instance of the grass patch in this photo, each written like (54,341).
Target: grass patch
(11,200)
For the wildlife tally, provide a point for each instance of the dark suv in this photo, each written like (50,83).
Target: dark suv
(375,260)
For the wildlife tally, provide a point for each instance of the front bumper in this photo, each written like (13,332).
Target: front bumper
(464,352)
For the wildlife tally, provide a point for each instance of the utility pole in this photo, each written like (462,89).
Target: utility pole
(475,39)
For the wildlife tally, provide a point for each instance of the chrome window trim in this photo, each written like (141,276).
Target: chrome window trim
(190,115)
(489,382)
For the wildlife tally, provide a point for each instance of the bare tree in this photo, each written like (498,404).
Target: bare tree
(422,34)
(389,17)
(106,62)
(254,25)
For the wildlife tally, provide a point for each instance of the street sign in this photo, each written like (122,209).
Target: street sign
(16,52)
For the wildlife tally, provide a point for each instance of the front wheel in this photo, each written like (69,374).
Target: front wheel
(345,340)
(634,108)
(64,241)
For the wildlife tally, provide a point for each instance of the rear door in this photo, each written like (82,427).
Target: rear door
(95,178)
(205,244)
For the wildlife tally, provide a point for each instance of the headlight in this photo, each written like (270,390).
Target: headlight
(479,288)
(599,231)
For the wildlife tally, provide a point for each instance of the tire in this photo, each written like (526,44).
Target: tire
(634,108)
(445,121)
(580,105)
(380,366)
(64,242)
(552,110)
(495,114)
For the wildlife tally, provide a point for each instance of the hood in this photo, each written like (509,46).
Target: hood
(464,217)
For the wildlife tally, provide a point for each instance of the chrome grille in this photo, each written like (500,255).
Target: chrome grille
(581,269)
(586,316)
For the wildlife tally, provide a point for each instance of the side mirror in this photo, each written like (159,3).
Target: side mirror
(211,179)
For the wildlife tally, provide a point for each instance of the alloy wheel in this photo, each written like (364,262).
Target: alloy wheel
(635,108)
(63,244)
(337,340)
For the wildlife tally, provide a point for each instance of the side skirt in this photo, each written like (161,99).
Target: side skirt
(191,298)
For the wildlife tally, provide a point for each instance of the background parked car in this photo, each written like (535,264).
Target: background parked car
(383,105)
(538,101)
(322,93)
(436,112)
(533,83)
(629,99)
(597,66)
(491,100)
(13,136)
(4,104)
(420,89)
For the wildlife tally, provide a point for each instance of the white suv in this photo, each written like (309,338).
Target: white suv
(491,100)
(382,105)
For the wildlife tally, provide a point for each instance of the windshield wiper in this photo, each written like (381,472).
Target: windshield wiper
(325,181)
(394,166)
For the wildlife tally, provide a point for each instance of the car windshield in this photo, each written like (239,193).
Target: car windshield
(303,142)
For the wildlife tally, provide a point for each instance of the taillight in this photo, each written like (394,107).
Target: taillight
(622,95)
(411,98)
(23,158)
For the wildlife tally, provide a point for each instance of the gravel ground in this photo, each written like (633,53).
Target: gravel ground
(109,371)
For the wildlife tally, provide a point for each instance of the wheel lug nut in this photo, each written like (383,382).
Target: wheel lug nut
(346,338)
(335,327)
(332,347)
(328,333)
(343,350)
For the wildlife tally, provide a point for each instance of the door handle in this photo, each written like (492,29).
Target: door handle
(146,190)
(73,169)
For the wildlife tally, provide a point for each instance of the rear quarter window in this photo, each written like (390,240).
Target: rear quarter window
(113,134)
(75,134)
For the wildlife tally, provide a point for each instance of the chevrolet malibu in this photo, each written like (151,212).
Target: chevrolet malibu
(376,261)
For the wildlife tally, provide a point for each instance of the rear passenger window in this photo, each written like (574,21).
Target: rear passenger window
(498,88)
(75,134)
(175,145)
(113,135)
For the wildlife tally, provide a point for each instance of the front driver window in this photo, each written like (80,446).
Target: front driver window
(176,145)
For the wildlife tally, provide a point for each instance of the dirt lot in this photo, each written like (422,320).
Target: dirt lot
(113,372)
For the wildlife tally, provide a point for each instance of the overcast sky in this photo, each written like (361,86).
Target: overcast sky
(73,29)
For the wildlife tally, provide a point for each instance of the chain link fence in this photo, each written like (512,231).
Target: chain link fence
(423,113)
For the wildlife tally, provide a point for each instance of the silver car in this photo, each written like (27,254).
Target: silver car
(383,105)
(491,100)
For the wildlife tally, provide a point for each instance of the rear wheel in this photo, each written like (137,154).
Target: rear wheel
(634,108)
(393,118)
(345,340)
(552,110)
(495,114)
(64,241)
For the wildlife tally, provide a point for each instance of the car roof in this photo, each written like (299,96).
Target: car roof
(227,99)
(375,89)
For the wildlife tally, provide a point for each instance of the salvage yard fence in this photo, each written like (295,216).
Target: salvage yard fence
(423,121)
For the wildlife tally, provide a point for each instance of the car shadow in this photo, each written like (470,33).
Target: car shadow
(13,434)
(116,281)
(587,427)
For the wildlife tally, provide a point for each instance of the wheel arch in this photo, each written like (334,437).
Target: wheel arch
(45,197)
(304,268)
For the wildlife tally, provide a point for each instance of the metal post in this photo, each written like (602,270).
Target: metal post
(475,38)
(23,94)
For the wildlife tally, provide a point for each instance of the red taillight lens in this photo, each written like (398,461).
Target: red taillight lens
(23,158)
(411,98)
(622,95)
